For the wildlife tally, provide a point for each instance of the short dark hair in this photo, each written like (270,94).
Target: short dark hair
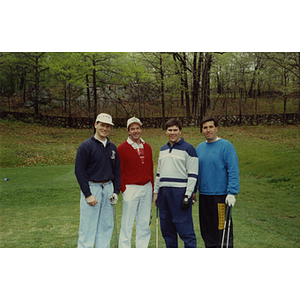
(207,119)
(174,122)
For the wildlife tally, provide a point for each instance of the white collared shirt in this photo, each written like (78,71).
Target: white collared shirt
(135,145)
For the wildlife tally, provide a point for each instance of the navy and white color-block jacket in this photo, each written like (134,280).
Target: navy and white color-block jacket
(177,167)
(94,162)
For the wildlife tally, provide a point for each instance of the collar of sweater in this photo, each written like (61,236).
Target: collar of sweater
(179,142)
(134,144)
(103,142)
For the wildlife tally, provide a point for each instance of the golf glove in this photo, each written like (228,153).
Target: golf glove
(113,199)
(230,200)
(186,202)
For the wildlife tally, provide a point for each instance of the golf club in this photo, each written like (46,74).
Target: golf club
(115,228)
(223,235)
(229,222)
(156,226)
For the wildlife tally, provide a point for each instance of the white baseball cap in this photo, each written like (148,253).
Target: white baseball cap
(104,118)
(133,120)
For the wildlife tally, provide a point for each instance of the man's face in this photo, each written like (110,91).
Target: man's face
(102,130)
(173,133)
(135,132)
(210,131)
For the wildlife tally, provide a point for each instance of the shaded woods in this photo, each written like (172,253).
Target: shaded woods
(150,85)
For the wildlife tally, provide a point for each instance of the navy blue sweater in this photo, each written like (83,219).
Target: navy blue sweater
(94,162)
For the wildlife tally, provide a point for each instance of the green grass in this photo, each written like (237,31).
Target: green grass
(39,204)
(39,207)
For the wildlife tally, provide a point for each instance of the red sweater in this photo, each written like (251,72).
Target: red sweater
(132,169)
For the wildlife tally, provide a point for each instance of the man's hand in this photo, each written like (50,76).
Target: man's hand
(230,200)
(91,200)
(186,202)
(155,199)
(113,199)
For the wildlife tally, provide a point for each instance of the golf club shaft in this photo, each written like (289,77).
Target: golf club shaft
(229,223)
(223,235)
(115,228)
(156,227)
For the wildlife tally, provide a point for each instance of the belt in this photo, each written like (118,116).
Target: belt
(105,181)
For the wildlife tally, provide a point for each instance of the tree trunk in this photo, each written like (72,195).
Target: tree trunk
(200,62)
(186,87)
(209,61)
(256,107)
(205,93)
(258,90)
(240,105)
(178,72)
(69,101)
(23,84)
(182,97)
(24,89)
(139,99)
(12,83)
(65,99)
(36,85)
(162,89)
(95,90)
(284,109)
(219,85)
(182,86)
(116,113)
(250,92)
(285,97)
(88,95)
(196,86)
(299,76)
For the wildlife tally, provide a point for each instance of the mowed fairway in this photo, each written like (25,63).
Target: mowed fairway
(39,203)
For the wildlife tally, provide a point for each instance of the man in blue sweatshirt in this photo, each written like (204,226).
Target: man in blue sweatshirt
(218,183)
(97,168)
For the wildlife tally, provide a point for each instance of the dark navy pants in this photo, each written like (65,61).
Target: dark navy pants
(174,220)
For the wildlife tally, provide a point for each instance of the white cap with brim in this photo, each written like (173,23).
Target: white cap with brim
(133,120)
(104,118)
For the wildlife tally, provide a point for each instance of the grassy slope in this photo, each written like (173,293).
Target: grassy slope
(40,201)
(268,208)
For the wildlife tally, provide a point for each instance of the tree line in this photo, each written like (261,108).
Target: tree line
(81,84)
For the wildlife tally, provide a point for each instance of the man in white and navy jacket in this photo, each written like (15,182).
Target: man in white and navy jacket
(175,181)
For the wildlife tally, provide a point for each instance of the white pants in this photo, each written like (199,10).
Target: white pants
(96,222)
(137,200)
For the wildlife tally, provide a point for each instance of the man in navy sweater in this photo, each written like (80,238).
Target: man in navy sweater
(97,168)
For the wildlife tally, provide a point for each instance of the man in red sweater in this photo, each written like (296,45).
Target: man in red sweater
(137,183)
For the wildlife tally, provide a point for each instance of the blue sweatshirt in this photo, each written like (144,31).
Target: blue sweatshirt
(94,162)
(218,168)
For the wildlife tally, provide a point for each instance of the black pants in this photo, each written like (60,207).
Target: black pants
(212,217)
